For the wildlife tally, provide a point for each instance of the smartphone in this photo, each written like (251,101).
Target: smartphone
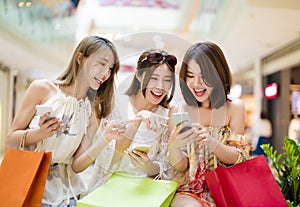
(181,117)
(43,109)
(144,148)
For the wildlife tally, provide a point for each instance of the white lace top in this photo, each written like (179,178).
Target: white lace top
(62,183)
(158,151)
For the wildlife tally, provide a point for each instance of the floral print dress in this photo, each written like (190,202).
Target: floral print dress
(192,182)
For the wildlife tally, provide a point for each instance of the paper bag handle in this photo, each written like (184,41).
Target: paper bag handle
(22,141)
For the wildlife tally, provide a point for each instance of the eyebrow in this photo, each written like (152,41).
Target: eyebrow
(190,70)
(153,74)
(101,58)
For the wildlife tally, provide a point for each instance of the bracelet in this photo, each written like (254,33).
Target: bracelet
(239,159)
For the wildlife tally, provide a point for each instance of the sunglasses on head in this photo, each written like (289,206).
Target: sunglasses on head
(157,58)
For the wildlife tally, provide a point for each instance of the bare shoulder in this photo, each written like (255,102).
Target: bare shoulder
(42,84)
(237,115)
(236,104)
(43,88)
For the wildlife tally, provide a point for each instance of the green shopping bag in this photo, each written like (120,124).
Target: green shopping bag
(124,190)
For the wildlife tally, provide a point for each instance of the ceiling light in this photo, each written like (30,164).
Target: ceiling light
(271,91)
(21,4)
(28,3)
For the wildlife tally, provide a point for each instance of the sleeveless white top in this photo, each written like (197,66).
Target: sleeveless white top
(62,183)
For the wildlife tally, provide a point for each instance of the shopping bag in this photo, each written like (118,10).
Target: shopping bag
(250,183)
(22,177)
(124,190)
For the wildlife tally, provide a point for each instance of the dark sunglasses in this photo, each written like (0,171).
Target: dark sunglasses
(157,58)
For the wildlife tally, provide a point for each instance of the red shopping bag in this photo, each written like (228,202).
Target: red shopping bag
(22,177)
(250,183)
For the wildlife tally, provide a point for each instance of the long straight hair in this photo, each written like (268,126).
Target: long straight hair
(214,70)
(103,97)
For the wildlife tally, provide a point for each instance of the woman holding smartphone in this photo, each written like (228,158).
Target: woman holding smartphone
(80,97)
(216,137)
(142,149)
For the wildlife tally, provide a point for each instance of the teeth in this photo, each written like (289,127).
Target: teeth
(157,94)
(198,91)
(100,81)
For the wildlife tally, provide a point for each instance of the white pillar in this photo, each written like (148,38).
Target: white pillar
(257,89)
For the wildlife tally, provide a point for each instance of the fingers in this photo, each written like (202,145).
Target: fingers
(178,139)
(202,135)
(157,122)
(162,117)
(52,125)
(183,127)
(133,120)
(46,117)
(147,114)
(116,128)
(198,126)
(148,123)
(144,114)
(139,153)
(138,158)
(187,137)
(55,125)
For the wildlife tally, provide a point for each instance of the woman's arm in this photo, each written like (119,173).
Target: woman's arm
(177,158)
(124,142)
(37,93)
(89,151)
(177,142)
(226,153)
(153,122)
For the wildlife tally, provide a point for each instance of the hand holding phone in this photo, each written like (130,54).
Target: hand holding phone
(180,117)
(43,109)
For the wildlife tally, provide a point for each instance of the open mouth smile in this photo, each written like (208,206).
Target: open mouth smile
(199,92)
(99,81)
(157,95)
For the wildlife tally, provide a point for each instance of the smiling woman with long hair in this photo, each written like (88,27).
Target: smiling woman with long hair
(145,108)
(80,97)
(217,136)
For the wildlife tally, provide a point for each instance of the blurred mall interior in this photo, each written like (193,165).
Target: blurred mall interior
(260,38)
